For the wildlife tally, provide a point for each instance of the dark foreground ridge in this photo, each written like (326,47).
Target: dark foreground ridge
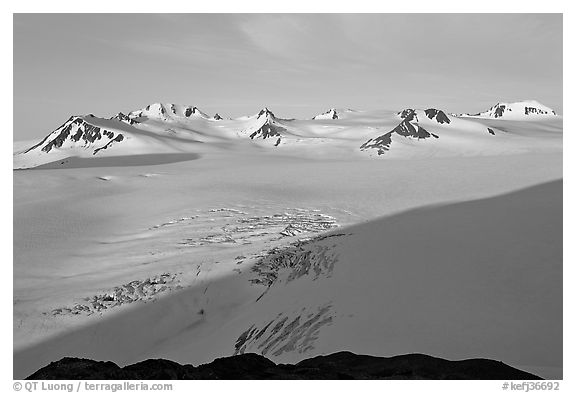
(340,365)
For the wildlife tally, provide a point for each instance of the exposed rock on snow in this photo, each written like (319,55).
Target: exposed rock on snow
(167,112)
(77,132)
(268,130)
(335,114)
(264,126)
(339,365)
(329,114)
(266,113)
(438,115)
(381,143)
(124,118)
(119,138)
(193,111)
(516,111)
(408,128)
(173,129)
(407,114)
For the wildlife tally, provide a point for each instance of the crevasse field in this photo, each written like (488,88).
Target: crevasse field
(170,233)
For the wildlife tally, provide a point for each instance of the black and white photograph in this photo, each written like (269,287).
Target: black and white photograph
(287,196)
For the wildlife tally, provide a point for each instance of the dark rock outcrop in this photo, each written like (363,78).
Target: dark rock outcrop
(528,110)
(406,129)
(265,112)
(189,111)
(76,130)
(79,132)
(330,113)
(499,111)
(340,365)
(119,138)
(268,130)
(125,119)
(381,143)
(217,117)
(439,115)
(407,114)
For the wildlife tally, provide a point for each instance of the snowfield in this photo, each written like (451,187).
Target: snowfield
(194,237)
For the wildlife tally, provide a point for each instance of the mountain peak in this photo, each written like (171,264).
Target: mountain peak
(432,113)
(409,128)
(437,114)
(78,132)
(519,110)
(124,118)
(168,111)
(329,114)
(265,112)
(408,114)
(189,111)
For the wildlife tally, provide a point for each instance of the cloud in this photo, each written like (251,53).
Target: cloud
(278,35)
(304,40)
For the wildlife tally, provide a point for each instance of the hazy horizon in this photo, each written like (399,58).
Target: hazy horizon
(298,65)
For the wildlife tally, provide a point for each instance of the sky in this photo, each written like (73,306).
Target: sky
(298,65)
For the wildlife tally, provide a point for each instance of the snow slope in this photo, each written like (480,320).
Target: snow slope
(419,281)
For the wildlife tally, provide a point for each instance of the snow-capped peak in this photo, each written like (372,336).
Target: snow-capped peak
(168,111)
(409,128)
(190,111)
(329,114)
(78,132)
(521,110)
(408,113)
(266,113)
(155,110)
(123,118)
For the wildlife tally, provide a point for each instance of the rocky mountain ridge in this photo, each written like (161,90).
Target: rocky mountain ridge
(340,365)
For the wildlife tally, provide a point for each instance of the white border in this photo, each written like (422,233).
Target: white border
(258,6)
